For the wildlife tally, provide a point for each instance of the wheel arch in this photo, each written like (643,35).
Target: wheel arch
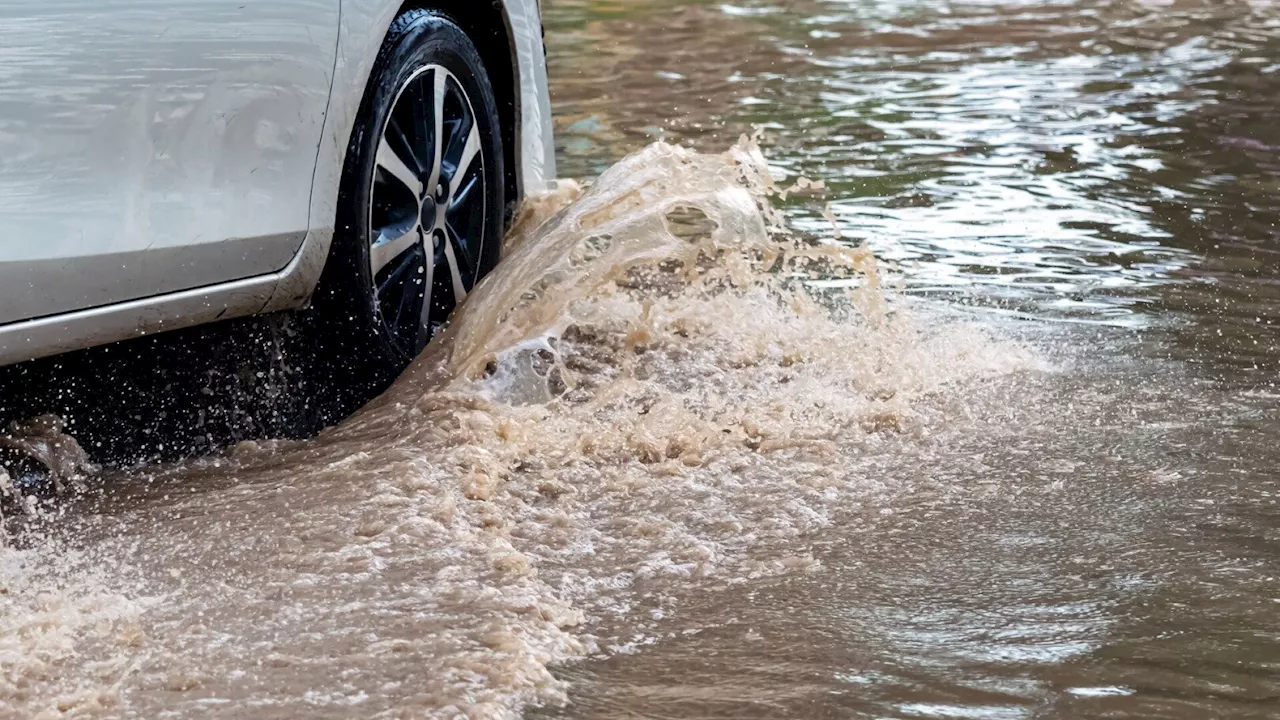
(489,27)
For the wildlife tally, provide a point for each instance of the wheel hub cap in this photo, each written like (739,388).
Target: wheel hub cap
(427,214)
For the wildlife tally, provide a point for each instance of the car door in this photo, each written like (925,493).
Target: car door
(152,146)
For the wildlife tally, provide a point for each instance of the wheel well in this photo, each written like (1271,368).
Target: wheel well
(485,23)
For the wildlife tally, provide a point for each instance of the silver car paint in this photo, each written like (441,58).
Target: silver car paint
(149,147)
(362,28)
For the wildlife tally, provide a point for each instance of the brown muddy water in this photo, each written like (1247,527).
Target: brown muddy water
(985,427)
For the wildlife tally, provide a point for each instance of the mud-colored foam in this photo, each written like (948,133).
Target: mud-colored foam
(645,397)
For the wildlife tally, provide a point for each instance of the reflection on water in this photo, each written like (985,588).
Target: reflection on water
(1098,160)
(1104,545)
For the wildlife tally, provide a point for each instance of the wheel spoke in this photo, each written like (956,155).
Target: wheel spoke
(391,162)
(386,249)
(469,152)
(401,290)
(462,193)
(467,254)
(398,138)
(397,279)
(418,104)
(424,321)
(437,119)
(455,269)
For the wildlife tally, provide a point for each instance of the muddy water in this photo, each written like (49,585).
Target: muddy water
(686,456)
(1096,177)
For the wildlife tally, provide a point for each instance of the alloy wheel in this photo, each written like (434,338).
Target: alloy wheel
(427,209)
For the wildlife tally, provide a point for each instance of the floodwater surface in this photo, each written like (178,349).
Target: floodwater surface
(954,398)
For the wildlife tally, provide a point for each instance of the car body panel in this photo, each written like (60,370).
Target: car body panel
(149,147)
(271,287)
(538,153)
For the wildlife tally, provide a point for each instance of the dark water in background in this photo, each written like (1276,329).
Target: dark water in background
(1101,175)
(1111,162)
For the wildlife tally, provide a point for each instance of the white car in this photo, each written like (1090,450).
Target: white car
(166,164)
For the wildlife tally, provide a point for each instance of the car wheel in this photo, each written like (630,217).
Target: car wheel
(421,205)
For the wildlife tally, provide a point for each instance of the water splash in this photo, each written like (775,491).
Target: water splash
(648,395)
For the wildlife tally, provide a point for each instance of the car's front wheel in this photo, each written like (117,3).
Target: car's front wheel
(421,204)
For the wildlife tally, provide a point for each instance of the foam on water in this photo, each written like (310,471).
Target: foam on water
(646,398)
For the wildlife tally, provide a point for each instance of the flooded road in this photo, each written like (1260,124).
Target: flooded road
(984,427)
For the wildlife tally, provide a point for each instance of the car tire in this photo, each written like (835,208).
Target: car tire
(416,230)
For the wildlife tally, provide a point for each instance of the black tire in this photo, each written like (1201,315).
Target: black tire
(364,340)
